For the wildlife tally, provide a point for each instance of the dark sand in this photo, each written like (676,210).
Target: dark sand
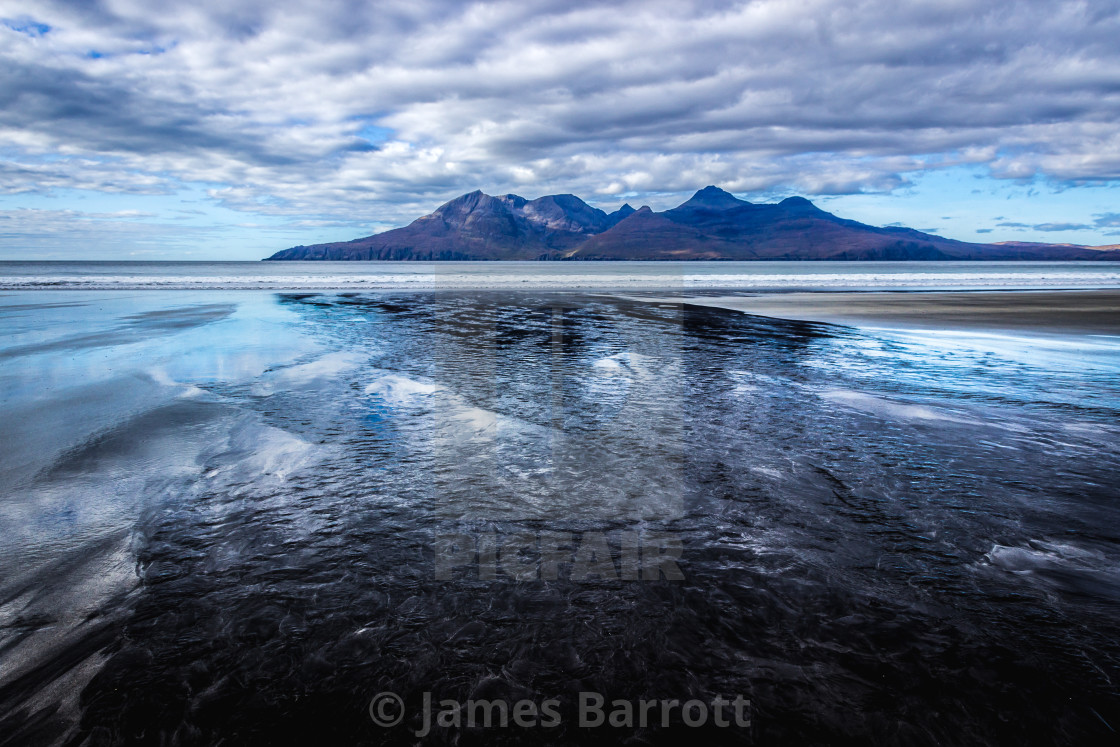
(1050,312)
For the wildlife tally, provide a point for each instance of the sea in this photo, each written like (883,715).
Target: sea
(347,503)
(606,275)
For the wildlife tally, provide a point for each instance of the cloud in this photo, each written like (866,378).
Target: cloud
(1061,227)
(66,234)
(1047,227)
(342,109)
(984,230)
(1107,220)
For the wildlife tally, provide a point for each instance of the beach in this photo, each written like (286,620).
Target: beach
(1094,312)
(242,514)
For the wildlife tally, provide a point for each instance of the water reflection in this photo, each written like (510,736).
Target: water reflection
(885,538)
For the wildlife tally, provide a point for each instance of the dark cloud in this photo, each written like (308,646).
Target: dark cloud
(101,116)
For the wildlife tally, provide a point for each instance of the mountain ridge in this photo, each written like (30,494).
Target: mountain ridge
(711,225)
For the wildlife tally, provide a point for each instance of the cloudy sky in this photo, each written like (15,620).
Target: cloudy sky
(229,129)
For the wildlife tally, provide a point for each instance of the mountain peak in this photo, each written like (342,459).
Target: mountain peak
(472,203)
(712,198)
(469,201)
(564,212)
(621,214)
(800,205)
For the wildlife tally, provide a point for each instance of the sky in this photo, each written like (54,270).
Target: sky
(231,129)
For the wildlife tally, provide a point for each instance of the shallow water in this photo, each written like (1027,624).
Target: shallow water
(238,516)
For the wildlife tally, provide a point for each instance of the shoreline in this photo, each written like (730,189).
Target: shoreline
(1017,310)
(1091,312)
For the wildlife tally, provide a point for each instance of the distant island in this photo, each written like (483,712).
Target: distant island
(712,225)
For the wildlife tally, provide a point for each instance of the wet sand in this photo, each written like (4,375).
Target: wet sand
(222,525)
(1048,312)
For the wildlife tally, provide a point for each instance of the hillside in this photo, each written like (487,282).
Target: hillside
(713,225)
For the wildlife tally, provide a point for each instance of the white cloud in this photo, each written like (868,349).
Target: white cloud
(264,101)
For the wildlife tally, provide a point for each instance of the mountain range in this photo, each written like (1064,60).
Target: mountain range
(713,225)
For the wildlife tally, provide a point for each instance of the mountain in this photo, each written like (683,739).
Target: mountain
(712,224)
